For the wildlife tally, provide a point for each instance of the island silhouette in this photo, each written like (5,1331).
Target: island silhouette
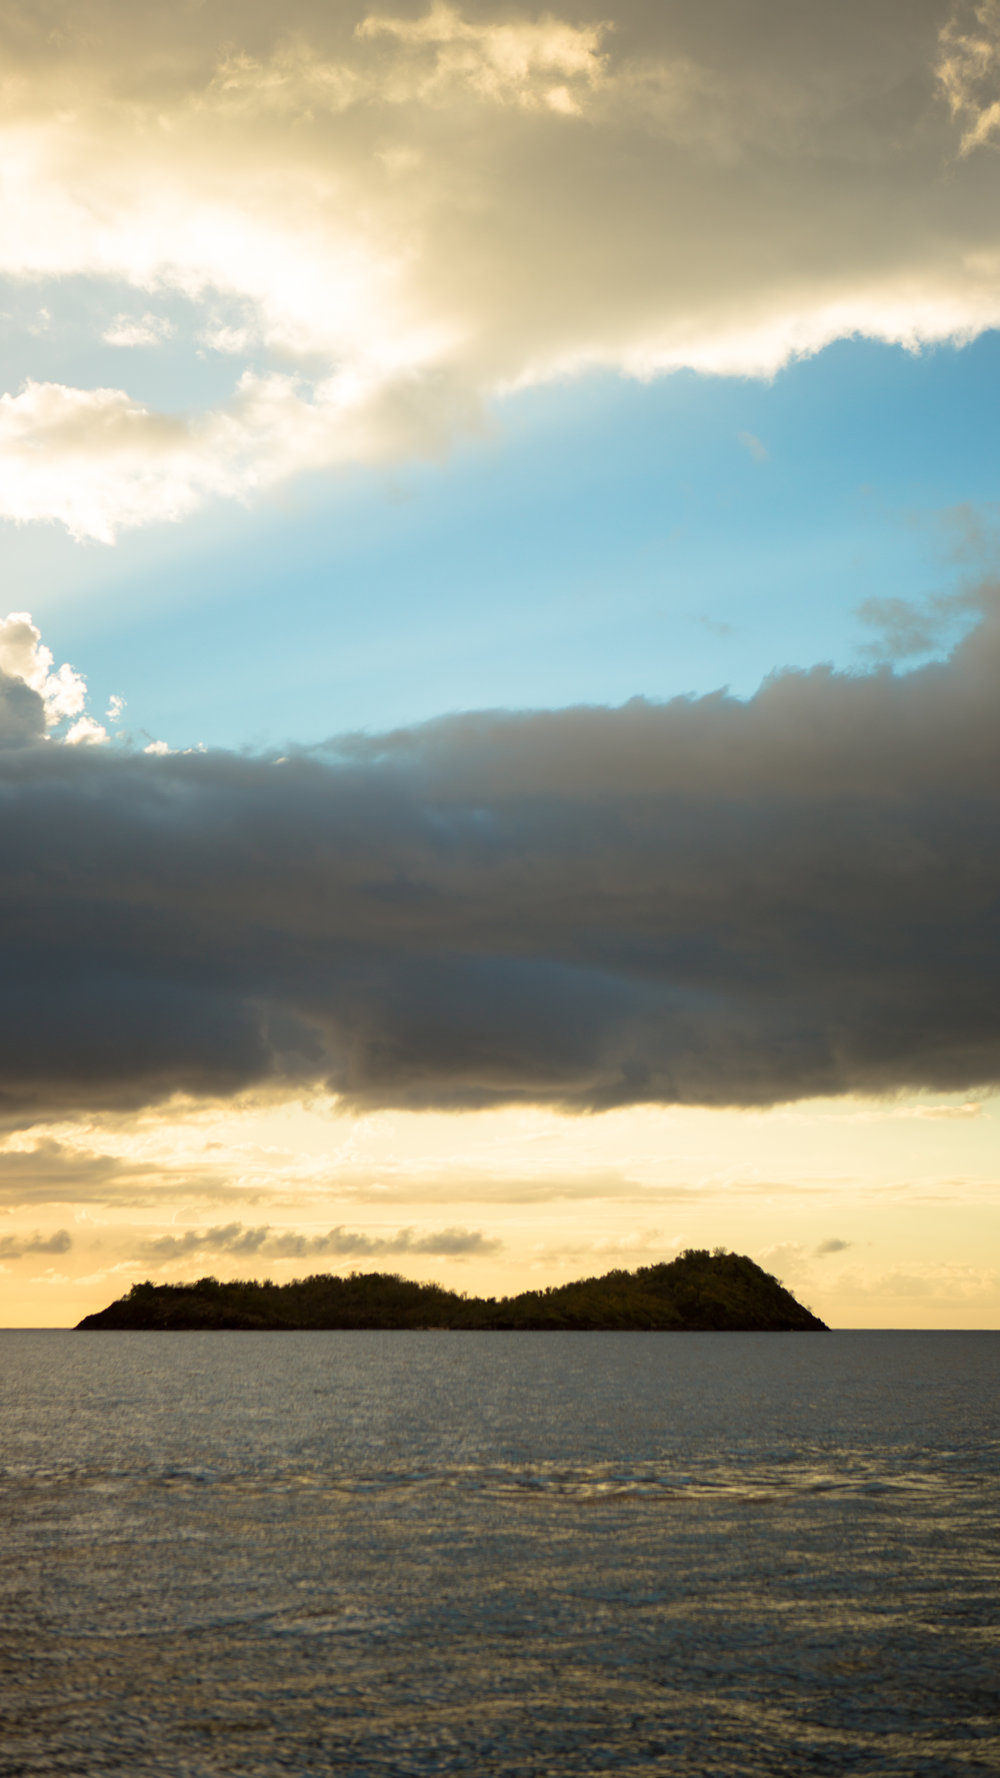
(697,1292)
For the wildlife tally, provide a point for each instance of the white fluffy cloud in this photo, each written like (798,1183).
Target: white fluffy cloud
(63,692)
(23,655)
(409,214)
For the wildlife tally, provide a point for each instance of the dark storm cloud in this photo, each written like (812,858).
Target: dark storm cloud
(708,901)
(236,1240)
(22,713)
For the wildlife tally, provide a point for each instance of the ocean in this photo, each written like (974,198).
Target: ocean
(231,1555)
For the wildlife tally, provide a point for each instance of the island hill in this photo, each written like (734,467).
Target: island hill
(698,1292)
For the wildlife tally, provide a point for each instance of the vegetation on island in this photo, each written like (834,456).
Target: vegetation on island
(699,1291)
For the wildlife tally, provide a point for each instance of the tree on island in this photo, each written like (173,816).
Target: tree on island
(697,1292)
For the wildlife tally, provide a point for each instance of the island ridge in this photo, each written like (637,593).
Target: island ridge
(697,1292)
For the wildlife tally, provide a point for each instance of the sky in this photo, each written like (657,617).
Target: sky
(500,542)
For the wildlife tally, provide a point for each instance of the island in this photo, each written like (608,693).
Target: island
(698,1292)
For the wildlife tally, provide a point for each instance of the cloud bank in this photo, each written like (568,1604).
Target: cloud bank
(236,1240)
(707,901)
(387,218)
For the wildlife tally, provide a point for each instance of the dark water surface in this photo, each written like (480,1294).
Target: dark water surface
(249,1554)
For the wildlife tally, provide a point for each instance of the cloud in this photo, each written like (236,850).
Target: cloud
(35,696)
(970,1108)
(22,712)
(46,1171)
(140,1168)
(24,657)
(481,1186)
(911,627)
(709,901)
(149,330)
(784,1257)
(833,1245)
(643,1247)
(17,1246)
(98,460)
(389,220)
(238,1241)
(752,444)
(969,70)
(541,64)
(946,1281)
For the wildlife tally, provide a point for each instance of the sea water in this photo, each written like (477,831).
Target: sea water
(229,1554)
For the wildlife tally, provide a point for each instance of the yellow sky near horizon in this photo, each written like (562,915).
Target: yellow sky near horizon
(868,1210)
